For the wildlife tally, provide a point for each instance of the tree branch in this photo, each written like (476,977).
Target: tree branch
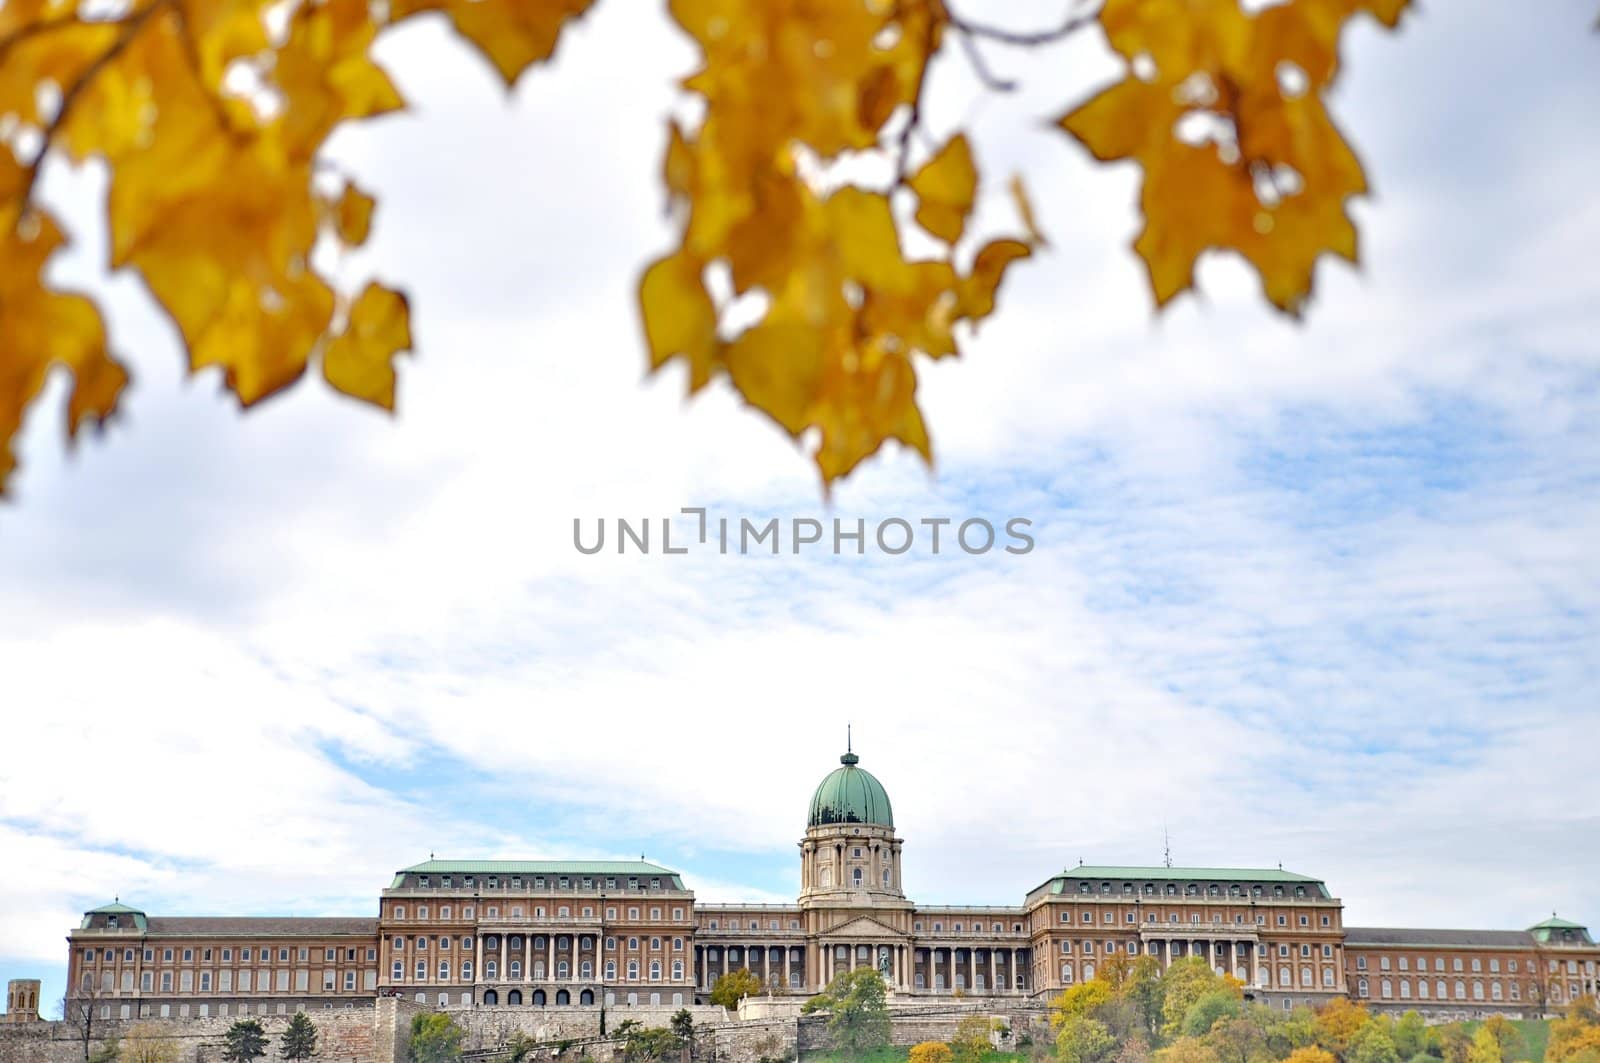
(132,24)
(1021,39)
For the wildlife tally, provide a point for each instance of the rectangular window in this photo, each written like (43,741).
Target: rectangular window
(302,980)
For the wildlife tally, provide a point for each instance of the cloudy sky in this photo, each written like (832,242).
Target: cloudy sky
(1322,595)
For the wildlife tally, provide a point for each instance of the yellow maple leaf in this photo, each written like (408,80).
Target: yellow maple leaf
(1272,178)
(511,34)
(44,329)
(946,186)
(360,360)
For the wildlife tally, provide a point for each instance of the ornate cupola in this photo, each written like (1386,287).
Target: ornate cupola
(849,853)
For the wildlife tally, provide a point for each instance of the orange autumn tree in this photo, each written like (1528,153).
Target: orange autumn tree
(211,116)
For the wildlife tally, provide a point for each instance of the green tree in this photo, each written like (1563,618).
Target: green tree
(518,1046)
(1080,1039)
(1083,999)
(1372,1044)
(435,1038)
(971,1041)
(1235,1038)
(245,1041)
(734,986)
(1410,1034)
(858,1011)
(930,1052)
(1208,1010)
(299,1041)
(683,1025)
(1186,981)
(1145,991)
(642,1043)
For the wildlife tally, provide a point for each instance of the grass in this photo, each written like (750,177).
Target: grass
(1535,1036)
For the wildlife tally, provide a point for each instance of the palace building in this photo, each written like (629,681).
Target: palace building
(510,933)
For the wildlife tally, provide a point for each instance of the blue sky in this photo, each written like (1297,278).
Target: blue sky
(1322,594)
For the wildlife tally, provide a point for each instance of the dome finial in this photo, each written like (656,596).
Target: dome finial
(849,752)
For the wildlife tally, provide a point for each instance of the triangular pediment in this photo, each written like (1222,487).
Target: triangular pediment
(863,926)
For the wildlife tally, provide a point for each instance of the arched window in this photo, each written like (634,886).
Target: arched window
(1477,990)
(1362,988)
(655,970)
(633,970)
(1066,972)
(586,997)
(514,969)
(538,998)
(514,997)
(490,997)
(855,877)
(444,970)
(489,970)
(611,970)
(1386,988)
(466,970)
(1441,989)
(1461,990)
(827,876)
(585,970)
(563,997)
(677,971)
(561,970)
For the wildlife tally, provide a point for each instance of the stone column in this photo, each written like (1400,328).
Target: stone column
(477,960)
(993,975)
(972,969)
(550,958)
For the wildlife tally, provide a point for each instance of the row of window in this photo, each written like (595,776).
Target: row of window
(229,981)
(514,943)
(563,911)
(755,924)
(977,928)
(1176,918)
(1403,963)
(513,969)
(539,882)
(183,1011)
(1132,947)
(261,954)
(1496,990)
(1192,890)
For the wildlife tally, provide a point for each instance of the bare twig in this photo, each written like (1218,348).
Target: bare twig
(1021,39)
(50,25)
(969,44)
(914,119)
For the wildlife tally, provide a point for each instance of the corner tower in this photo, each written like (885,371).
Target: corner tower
(850,856)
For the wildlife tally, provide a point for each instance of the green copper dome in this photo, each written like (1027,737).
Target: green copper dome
(850,795)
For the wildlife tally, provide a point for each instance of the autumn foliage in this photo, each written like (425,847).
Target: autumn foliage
(790,283)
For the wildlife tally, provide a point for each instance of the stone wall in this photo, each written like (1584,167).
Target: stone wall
(378,1033)
(343,1036)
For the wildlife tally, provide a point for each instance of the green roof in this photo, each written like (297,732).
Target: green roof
(1555,927)
(1186,874)
(1103,873)
(632,868)
(116,908)
(850,795)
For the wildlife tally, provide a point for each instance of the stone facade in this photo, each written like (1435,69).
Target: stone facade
(22,1001)
(545,936)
